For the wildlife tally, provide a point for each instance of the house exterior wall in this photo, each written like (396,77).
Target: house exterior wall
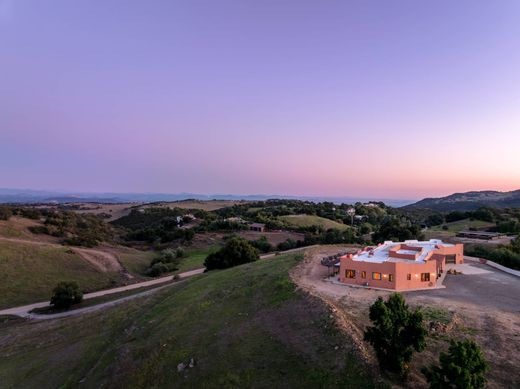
(399,275)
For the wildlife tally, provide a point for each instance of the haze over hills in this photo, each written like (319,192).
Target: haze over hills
(8,195)
(470,200)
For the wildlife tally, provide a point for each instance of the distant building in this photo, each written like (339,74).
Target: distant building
(259,227)
(399,265)
(483,235)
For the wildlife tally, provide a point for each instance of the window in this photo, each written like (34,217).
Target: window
(350,273)
(363,274)
(391,277)
(425,277)
(376,276)
(408,276)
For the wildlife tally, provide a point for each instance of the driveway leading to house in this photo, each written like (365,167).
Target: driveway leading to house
(480,285)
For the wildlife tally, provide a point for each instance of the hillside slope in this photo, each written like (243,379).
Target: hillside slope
(312,220)
(244,327)
(469,201)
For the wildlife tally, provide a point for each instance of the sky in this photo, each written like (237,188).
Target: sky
(388,99)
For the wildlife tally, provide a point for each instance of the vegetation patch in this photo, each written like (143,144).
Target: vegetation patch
(239,330)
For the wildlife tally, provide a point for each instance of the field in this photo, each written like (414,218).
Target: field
(30,272)
(465,224)
(311,220)
(137,261)
(114,210)
(205,205)
(243,327)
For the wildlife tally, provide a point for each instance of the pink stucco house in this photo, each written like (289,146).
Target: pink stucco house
(400,265)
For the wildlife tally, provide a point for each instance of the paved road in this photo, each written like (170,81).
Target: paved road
(24,311)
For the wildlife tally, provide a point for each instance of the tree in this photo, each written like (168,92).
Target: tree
(397,230)
(237,251)
(463,367)
(66,294)
(396,333)
(5,213)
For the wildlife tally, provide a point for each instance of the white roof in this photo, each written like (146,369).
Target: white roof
(380,253)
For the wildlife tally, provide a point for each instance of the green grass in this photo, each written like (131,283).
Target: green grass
(195,259)
(460,225)
(437,314)
(311,220)
(245,327)
(30,272)
(136,262)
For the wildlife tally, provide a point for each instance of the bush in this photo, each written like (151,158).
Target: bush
(396,333)
(157,269)
(502,255)
(167,261)
(236,252)
(462,367)
(65,294)
(5,213)
(180,253)
(262,245)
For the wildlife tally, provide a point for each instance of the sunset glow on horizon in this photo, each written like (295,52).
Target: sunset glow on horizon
(373,99)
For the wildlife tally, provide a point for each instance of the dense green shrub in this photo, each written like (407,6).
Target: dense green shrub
(262,245)
(5,213)
(236,252)
(502,255)
(397,229)
(166,262)
(65,294)
(463,367)
(396,333)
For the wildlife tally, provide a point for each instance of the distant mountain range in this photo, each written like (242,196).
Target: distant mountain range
(40,196)
(469,201)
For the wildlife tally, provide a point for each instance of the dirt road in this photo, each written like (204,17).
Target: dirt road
(103,261)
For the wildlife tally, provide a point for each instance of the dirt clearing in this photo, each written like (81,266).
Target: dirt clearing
(483,305)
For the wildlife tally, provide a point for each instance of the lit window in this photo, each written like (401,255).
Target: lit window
(425,277)
(363,274)
(391,277)
(376,276)
(350,273)
(408,276)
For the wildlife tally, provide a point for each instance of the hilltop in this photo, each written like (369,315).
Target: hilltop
(469,201)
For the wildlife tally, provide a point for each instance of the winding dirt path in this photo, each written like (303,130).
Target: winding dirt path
(103,261)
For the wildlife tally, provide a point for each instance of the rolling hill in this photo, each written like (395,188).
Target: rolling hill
(312,220)
(244,327)
(469,201)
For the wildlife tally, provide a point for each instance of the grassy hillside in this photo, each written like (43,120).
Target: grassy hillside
(30,272)
(136,262)
(460,225)
(244,327)
(311,220)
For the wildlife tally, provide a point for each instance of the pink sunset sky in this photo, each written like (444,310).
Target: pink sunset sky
(389,99)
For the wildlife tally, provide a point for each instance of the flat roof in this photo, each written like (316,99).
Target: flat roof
(381,253)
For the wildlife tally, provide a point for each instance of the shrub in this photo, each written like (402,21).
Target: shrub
(236,252)
(502,255)
(167,261)
(396,333)
(5,213)
(157,269)
(66,294)
(462,367)
(180,253)
(262,245)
